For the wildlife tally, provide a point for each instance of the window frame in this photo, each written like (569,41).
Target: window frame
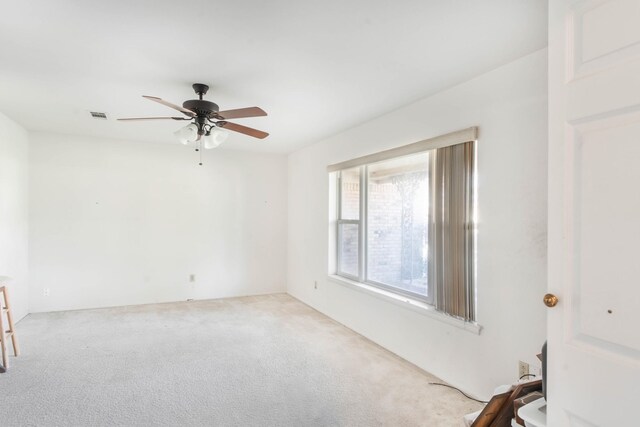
(340,221)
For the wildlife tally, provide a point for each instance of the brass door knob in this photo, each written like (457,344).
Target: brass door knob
(550,300)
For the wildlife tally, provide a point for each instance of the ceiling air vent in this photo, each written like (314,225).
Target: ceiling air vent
(97,115)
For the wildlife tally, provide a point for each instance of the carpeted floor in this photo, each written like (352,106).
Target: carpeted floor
(252,361)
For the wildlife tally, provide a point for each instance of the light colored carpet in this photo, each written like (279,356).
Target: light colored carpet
(252,361)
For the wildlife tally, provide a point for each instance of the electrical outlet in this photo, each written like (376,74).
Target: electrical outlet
(192,278)
(523,369)
(46,292)
(315,284)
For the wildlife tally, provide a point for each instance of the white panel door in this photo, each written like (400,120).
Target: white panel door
(594,213)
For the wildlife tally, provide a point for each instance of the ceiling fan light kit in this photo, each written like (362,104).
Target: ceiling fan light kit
(208,125)
(214,138)
(187,134)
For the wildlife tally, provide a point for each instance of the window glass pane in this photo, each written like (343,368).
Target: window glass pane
(398,223)
(348,251)
(350,194)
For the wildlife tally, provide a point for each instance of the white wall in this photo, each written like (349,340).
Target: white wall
(119,222)
(14,176)
(509,105)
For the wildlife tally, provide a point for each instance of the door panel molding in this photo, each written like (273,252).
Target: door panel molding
(596,315)
(589,52)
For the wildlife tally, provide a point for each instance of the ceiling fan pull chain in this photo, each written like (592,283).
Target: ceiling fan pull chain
(200,146)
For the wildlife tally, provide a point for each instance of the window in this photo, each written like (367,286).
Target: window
(398,223)
(349,224)
(404,221)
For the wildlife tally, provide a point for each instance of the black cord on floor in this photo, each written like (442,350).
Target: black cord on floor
(527,375)
(463,393)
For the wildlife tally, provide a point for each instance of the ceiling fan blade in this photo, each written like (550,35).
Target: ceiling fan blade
(243,129)
(241,113)
(155,118)
(170,105)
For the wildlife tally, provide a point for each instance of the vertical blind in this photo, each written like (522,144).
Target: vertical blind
(451,260)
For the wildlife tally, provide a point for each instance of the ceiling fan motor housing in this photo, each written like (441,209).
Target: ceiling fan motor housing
(201,107)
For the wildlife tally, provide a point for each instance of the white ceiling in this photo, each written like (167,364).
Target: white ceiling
(317,67)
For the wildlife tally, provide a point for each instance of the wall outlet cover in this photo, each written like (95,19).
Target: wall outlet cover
(523,369)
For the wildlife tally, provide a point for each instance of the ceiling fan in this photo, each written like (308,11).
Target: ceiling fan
(206,120)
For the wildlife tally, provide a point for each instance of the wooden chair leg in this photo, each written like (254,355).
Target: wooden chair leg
(2,338)
(14,340)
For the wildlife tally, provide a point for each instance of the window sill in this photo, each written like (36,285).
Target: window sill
(408,303)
